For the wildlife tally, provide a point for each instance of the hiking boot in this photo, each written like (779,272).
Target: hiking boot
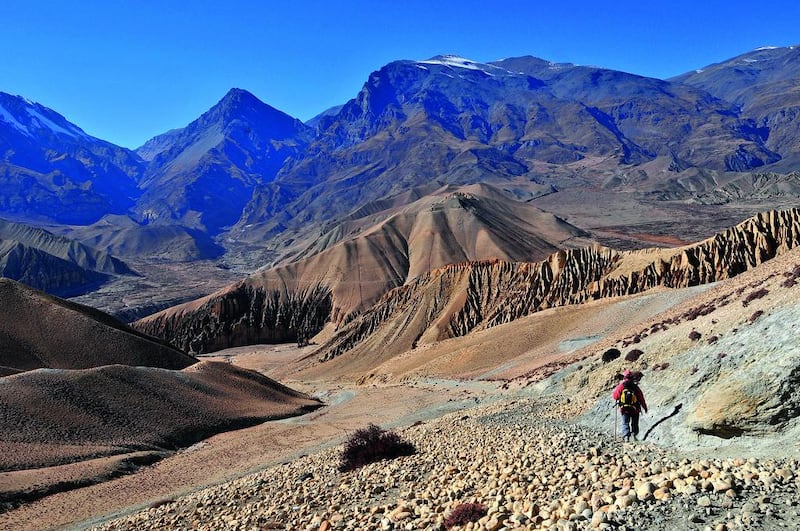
(635,438)
(626,438)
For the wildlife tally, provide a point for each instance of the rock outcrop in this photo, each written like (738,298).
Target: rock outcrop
(347,270)
(455,300)
(243,315)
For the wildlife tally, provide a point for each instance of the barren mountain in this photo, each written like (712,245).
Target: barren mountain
(55,264)
(523,125)
(763,83)
(458,299)
(40,331)
(85,398)
(50,170)
(348,269)
(202,175)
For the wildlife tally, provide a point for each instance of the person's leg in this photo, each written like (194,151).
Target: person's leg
(626,425)
(635,425)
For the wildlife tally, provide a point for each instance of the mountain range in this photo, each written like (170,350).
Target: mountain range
(455,227)
(252,187)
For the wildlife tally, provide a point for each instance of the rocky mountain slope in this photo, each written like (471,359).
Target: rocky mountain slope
(455,300)
(763,83)
(50,170)
(720,370)
(202,175)
(525,125)
(348,269)
(53,263)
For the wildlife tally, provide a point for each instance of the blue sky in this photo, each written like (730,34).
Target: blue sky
(125,71)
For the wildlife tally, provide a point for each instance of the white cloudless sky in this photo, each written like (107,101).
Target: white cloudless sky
(125,71)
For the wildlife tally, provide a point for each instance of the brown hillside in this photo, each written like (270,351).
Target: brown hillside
(41,331)
(456,300)
(51,417)
(358,263)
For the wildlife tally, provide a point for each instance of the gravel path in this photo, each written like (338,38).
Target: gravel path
(530,470)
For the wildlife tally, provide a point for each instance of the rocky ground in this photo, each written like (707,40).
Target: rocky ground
(530,469)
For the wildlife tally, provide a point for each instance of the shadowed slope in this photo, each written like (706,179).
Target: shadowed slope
(52,417)
(358,262)
(37,331)
(55,264)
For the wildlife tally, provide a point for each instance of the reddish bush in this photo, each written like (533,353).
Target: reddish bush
(694,335)
(694,370)
(662,367)
(756,315)
(722,355)
(633,355)
(372,444)
(713,339)
(757,294)
(464,514)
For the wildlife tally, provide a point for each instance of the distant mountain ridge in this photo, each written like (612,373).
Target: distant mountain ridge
(54,264)
(51,170)
(263,185)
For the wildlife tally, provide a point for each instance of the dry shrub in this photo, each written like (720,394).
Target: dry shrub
(722,355)
(611,354)
(694,335)
(662,367)
(633,355)
(757,294)
(372,444)
(756,315)
(713,339)
(464,514)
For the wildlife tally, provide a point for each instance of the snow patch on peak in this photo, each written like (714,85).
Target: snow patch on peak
(9,118)
(761,49)
(46,123)
(457,62)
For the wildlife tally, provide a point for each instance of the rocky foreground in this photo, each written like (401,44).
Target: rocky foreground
(530,469)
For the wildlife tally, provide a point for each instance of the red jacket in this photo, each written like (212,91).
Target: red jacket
(638,392)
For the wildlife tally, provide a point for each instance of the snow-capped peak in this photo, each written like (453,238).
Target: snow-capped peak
(28,117)
(453,60)
(761,49)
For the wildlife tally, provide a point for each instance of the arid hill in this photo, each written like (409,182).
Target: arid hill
(55,264)
(51,417)
(454,300)
(79,389)
(41,331)
(346,270)
(458,299)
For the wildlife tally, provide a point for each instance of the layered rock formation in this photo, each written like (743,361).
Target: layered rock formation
(455,300)
(349,268)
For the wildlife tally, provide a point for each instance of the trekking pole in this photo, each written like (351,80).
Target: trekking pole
(616,412)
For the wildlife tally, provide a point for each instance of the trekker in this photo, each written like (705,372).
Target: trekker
(630,400)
